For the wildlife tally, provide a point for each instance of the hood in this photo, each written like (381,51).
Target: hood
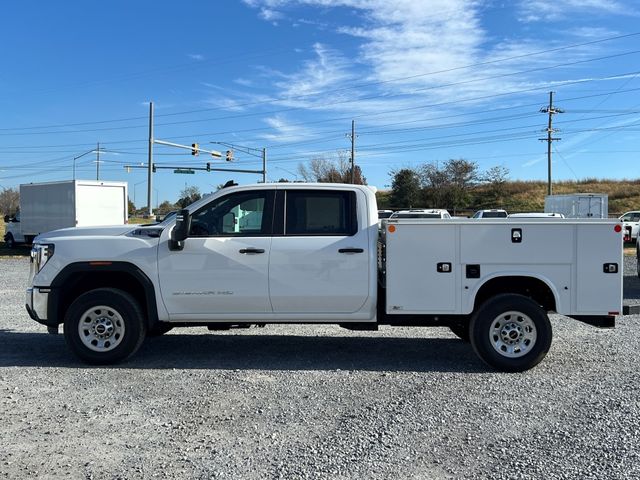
(108,231)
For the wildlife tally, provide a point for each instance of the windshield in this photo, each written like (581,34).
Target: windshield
(384,214)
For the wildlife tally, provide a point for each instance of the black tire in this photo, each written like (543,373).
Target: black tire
(112,323)
(9,241)
(638,257)
(511,333)
(160,328)
(460,331)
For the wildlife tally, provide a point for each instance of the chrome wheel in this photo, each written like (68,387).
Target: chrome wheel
(512,334)
(101,328)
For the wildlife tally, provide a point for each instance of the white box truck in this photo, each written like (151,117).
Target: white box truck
(578,205)
(74,203)
(312,253)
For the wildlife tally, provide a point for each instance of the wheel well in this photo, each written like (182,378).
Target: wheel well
(82,282)
(530,287)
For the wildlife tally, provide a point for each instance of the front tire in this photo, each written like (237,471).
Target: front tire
(511,333)
(104,326)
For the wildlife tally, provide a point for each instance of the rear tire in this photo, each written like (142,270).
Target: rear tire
(9,241)
(511,333)
(104,326)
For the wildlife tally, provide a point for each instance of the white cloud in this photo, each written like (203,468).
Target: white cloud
(196,56)
(326,70)
(284,131)
(554,10)
(419,52)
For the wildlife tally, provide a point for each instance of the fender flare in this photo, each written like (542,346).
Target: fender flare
(63,277)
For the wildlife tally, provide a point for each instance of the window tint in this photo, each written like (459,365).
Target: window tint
(310,212)
(494,215)
(238,214)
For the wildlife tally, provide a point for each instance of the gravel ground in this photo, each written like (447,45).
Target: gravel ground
(317,402)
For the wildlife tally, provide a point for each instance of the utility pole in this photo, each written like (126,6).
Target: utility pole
(551,110)
(264,165)
(353,149)
(98,162)
(150,163)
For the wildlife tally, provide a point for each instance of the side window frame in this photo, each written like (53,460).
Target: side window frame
(268,215)
(282,203)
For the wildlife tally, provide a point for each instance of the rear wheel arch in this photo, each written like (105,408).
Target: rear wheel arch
(534,288)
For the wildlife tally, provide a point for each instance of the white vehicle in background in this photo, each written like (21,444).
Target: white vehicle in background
(491,213)
(578,205)
(631,225)
(383,215)
(74,203)
(536,215)
(421,213)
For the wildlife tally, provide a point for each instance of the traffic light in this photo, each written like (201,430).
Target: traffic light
(229,155)
(208,166)
(194,149)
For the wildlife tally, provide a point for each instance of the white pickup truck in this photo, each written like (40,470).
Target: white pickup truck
(313,253)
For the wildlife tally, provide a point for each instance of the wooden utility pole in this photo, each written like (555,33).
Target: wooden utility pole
(551,110)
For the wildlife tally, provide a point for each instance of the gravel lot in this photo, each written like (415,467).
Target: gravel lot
(317,402)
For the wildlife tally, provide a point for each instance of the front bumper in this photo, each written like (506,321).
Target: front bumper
(37,305)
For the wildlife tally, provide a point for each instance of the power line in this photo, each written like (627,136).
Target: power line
(356,86)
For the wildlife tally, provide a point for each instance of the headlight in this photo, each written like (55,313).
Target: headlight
(40,255)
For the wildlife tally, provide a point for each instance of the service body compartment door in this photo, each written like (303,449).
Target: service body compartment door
(422,272)
(598,292)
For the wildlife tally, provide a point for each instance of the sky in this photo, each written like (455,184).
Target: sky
(424,81)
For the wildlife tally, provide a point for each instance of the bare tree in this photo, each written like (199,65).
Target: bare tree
(322,169)
(9,201)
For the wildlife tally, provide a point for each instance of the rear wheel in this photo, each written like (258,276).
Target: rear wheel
(9,241)
(511,333)
(104,326)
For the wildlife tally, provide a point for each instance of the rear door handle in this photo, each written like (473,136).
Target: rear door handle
(351,250)
(251,251)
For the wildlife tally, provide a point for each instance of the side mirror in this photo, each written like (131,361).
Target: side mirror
(7,219)
(180,231)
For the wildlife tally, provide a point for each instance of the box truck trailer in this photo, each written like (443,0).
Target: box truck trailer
(578,205)
(74,203)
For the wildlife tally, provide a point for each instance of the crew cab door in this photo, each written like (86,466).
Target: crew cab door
(320,261)
(223,267)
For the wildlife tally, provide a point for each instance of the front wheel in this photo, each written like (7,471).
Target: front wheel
(511,333)
(104,326)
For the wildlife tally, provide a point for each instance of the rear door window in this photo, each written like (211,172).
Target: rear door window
(317,212)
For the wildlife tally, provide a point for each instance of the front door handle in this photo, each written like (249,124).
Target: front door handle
(351,250)
(251,251)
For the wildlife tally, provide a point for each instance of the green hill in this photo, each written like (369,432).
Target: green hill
(521,196)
